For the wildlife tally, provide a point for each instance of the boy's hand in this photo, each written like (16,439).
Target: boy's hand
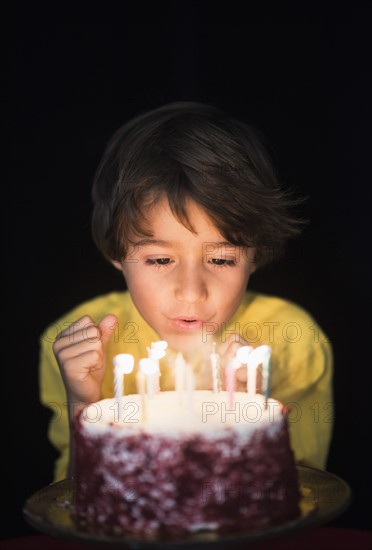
(227,351)
(80,353)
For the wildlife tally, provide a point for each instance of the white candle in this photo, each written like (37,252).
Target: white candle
(180,373)
(190,386)
(266,372)
(157,351)
(118,383)
(150,370)
(215,362)
(123,364)
(254,359)
(141,389)
(243,355)
(231,368)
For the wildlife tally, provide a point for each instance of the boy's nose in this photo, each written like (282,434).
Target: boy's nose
(190,286)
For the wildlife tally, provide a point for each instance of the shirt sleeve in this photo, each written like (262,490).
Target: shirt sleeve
(302,381)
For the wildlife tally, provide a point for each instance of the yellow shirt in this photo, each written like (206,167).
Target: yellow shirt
(301,366)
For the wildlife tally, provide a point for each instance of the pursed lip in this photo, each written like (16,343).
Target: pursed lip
(187,323)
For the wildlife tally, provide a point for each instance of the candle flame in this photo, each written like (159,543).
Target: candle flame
(160,345)
(155,353)
(124,363)
(259,355)
(243,354)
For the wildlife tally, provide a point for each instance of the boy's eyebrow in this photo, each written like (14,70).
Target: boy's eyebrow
(161,242)
(144,242)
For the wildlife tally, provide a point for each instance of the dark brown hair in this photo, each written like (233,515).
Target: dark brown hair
(195,151)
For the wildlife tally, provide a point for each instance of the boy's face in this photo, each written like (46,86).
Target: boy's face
(185,285)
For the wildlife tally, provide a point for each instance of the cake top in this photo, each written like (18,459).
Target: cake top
(170,412)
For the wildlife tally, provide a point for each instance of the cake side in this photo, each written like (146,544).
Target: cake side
(226,477)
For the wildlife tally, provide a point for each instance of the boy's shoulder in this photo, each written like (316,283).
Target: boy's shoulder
(273,311)
(266,318)
(266,305)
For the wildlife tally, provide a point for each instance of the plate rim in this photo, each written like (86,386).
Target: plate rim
(313,518)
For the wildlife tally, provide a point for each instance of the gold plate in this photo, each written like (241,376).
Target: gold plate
(324,497)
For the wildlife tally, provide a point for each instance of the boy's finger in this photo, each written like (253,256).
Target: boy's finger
(241,374)
(76,326)
(107,327)
(234,341)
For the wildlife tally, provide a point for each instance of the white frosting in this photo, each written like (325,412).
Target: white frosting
(169,413)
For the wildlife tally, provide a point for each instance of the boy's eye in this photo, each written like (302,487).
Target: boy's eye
(158,261)
(222,261)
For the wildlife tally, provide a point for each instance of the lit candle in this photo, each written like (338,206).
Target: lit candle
(243,354)
(231,368)
(141,390)
(215,362)
(161,345)
(150,370)
(180,373)
(157,351)
(254,359)
(266,372)
(190,386)
(123,364)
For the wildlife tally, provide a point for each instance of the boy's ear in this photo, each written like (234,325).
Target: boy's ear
(252,261)
(117,265)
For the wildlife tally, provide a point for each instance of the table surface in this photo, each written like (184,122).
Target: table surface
(318,539)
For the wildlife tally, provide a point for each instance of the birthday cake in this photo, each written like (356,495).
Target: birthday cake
(183,465)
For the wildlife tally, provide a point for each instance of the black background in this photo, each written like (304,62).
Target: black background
(74,78)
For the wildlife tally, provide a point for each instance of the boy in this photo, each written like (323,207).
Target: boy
(187,206)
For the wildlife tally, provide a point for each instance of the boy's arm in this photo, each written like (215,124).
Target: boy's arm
(71,373)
